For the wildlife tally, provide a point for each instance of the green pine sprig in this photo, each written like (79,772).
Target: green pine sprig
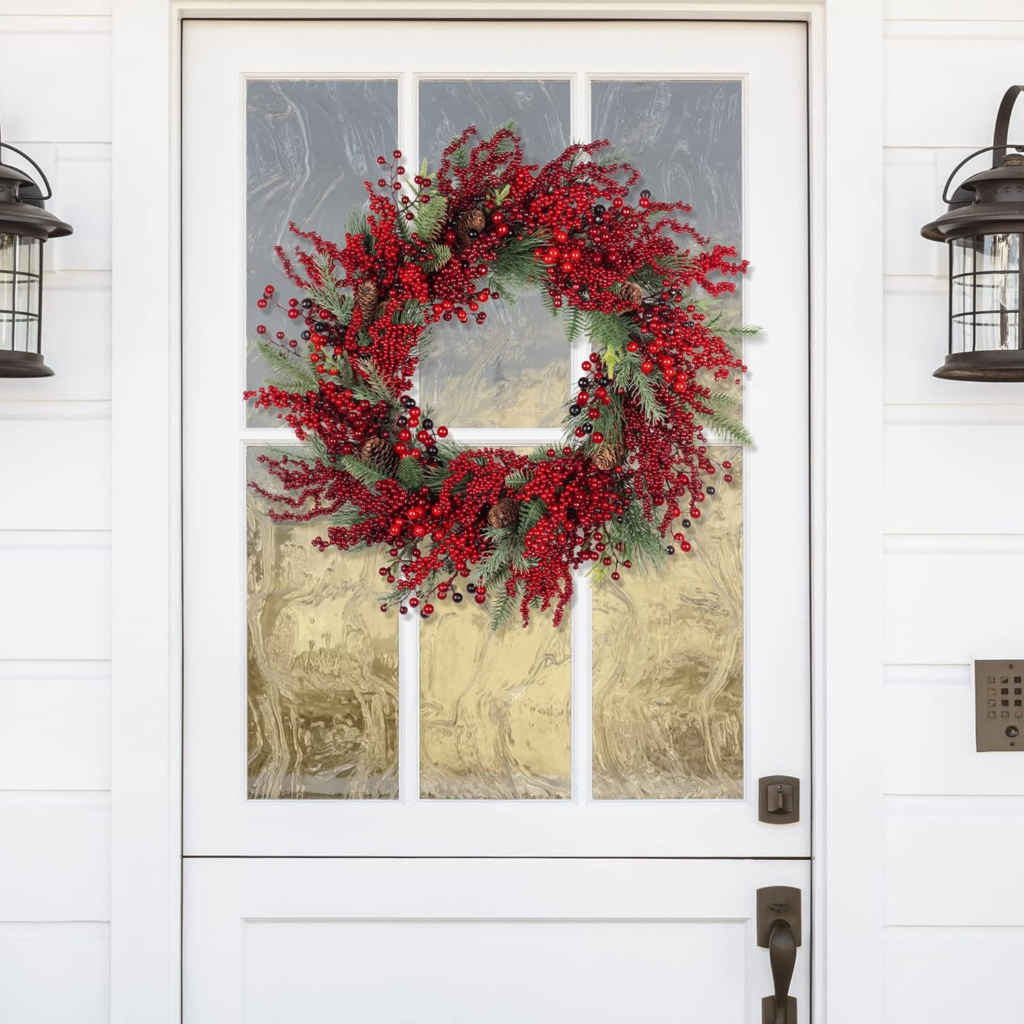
(429,218)
(725,425)
(369,476)
(290,371)
(641,542)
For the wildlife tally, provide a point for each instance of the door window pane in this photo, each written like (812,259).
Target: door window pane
(511,371)
(310,145)
(322,663)
(494,707)
(668,704)
(668,666)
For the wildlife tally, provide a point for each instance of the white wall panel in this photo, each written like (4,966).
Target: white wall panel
(944,80)
(82,197)
(954,470)
(55,856)
(55,598)
(952,599)
(74,106)
(953,489)
(55,728)
(76,341)
(915,344)
(952,10)
(952,861)
(68,486)
(910,200)
(54,973)
(77,8)
(952,975)
(929,737)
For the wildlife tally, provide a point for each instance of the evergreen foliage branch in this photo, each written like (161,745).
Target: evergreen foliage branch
(518,478)
(372,387)
(725,426)
(328,294)
(366,474)
(530,514)
(719,398)
(504,608)
(347,515)
(514,266)
(356,224)
(642,544)
(410,474)
(639,384)
(288,368)
(437,256)
(577,324)
(429,218)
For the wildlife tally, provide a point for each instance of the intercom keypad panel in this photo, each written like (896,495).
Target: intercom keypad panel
(999,703)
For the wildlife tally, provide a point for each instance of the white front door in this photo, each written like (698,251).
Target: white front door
(342,765)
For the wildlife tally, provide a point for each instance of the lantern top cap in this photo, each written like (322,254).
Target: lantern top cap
(9,173)
(21,202)
(991,201)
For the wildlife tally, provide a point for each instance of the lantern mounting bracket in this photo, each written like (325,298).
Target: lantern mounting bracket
(42,173)
(951,200)
(997,149)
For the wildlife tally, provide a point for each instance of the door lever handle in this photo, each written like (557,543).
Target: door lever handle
(782,957)
(779,929)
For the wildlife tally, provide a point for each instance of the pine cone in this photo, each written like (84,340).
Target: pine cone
(380,453)
(366,299)
(631,292)
(467,221)
(504,513)
(607,456)
(381,311)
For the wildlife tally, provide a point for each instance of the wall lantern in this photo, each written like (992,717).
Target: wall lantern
(983,227)
(24,226)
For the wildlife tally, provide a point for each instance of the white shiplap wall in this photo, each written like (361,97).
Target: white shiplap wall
(55,541)
(954,480)
(954,544)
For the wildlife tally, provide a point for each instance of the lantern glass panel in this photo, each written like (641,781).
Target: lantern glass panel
(997,292)
(961,277)
(26,294)
(7,251)
(985,293)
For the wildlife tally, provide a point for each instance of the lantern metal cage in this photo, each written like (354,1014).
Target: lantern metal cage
(983,228)
(25,225)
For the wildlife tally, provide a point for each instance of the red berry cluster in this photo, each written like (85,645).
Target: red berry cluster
(368,304)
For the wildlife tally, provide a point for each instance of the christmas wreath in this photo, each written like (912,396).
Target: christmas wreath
(507,528)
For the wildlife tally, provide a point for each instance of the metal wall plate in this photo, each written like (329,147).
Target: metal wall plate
(778,800)
(999,704)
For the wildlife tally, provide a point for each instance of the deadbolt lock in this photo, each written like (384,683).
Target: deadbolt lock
(779,800)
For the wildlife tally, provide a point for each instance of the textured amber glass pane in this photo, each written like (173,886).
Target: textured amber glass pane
(668,707)
(322,665)
(494,707)
(668,666)
(513,370)
(310,144)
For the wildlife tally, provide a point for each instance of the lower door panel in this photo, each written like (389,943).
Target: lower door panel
(469,941)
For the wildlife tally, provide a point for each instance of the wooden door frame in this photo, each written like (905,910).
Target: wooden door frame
(845,122)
